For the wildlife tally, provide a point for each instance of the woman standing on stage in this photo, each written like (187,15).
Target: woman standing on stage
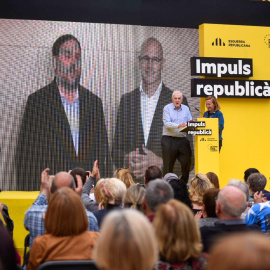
(214,112)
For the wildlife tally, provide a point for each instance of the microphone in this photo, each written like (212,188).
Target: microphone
(198,110)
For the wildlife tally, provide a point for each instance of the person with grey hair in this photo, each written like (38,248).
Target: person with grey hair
(157,192)
(34,220)
(175,145)
(244,187)
(117,189)
(138,132)
(231,203)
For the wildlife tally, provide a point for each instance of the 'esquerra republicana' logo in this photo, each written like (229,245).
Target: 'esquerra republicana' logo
(267,40)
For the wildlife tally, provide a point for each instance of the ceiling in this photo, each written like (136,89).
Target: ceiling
(168,13)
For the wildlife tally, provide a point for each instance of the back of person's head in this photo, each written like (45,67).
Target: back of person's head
(157,192)
(213,179)
(134,197)
(198,185)
(98,196)
(256,182)
(248,172)
(242,251)
(126,241)
(62,179)
(152,173)
(241,185)
(179,187)
(177,232)
(7,250)
(65,214)
(209,201)
(81,172)
(125,176)
(117,188)
(231,202)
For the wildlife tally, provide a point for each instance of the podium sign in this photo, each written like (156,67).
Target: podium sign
(207,148)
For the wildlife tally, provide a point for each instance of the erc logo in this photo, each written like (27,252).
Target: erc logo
(218,42)
(267,40)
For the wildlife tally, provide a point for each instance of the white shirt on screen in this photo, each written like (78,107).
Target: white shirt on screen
(148,107)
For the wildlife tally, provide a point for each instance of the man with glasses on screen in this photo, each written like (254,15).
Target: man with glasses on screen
(63,125)
(139,120)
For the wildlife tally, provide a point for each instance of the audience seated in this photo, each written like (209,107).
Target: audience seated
(259,213)
(7,250)
(256,184)
(213,179)
(112,195)
(33,220)
(208,209)
(179,188)
(66,236)
(178,237)
(127,241)
(231,203)
(134,197)
(125,176)
(250,171)
(157,192)
(245,251)
(198,185)
(152,173)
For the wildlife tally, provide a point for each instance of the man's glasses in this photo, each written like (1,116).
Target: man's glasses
(147,59)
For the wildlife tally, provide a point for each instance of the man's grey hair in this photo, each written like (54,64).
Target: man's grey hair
(228,208)
(158,192)
(257,182)
(177,91)
(241,185)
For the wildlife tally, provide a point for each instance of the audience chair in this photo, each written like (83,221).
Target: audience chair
(26,249)
(69,265)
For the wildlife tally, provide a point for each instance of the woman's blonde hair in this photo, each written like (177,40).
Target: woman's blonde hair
(177,232)
(125,176)
(117,188)
(127,241)
(198,185)
(134,197)
(65,214)
(98,196)
(214,101)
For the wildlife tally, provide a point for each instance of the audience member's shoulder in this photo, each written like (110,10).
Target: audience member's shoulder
(91,235)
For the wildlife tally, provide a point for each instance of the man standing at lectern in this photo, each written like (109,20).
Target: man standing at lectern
(174,144)
(63,125)
(139,120)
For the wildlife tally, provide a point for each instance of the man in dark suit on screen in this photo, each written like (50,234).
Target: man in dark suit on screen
(139,120)
(63,124)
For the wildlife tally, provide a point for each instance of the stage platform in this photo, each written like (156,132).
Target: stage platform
(18,202)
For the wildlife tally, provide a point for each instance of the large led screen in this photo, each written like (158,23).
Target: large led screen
(120,78)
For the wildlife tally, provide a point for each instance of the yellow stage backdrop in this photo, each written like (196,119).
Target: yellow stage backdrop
(246,140)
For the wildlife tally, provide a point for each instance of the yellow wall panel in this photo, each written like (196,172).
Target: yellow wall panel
(246,132)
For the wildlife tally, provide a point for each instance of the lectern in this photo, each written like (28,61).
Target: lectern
(207,148)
